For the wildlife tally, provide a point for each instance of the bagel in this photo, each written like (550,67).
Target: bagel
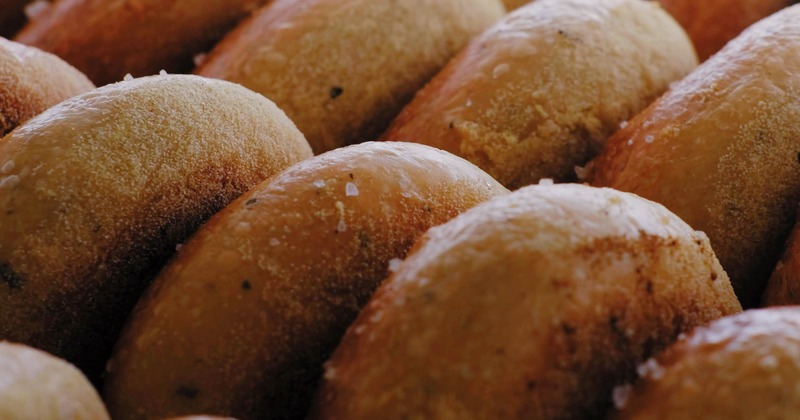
(745,366)
(36,385)
(32,81)
(532,305)
(712,23)
(241,320)
(539,93)
(108,39)
(720,149)
(96,192)
(342,69)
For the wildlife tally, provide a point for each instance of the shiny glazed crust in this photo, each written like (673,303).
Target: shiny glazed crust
(107,39)
(540,92)
(742,367)
(342,69)
(96,192)
(36,385)
(712,23)
(720,149)
(532,305)
(32,81)
(241,320)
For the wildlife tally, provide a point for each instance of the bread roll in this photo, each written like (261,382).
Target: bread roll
(36,385)
(541,91)
(33,81)
(96,192)
(241,320)
(107,39)
(712,23)
(783,287)
(342,69)
(741,367)
(720,149)
(533,305)
(11,16)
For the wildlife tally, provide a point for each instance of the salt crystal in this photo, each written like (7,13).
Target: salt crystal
(581,172)
(179,247)
(769,362)
(351,190)
(620,395)
(199,59)
(342,226)
(500,70)
(319,183)
(649,139)
(394,264)
(7,167)
(650,368)
(10,181)
(630,142)
(623,124)
(128,77)
(35,8)
(330,373)
(162,72)
(469,103)
(274,242)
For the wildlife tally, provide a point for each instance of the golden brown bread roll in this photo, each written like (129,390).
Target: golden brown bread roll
(36,385)
(783,287)
(32,81)
(241,320)
(720,149)
(96,192)
(342,69)
(712,23)
(532,305)
(541,91)
(107,39)
(289,264)
(11,16)
(745,366)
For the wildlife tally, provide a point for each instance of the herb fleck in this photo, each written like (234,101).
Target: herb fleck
(246,285)
(8,276)
(336,91)
(187,392)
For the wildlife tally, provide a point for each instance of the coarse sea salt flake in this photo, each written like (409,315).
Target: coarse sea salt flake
(10,181)
(7,167)
(620,395)
(35,8)
(351,190)
(394,264)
